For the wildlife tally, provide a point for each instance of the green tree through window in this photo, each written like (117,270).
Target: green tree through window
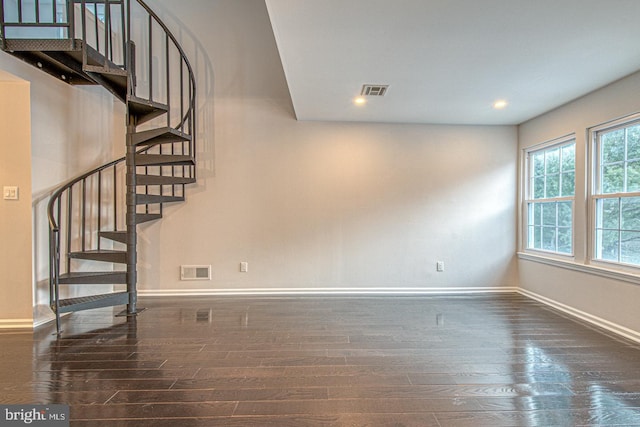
(550,197)
(617,194)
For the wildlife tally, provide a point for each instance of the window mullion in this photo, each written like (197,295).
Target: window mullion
(619,229)
(625,162)
(560,177)
(557,230)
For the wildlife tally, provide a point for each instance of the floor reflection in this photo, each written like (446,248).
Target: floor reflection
(594,377)
(443,361)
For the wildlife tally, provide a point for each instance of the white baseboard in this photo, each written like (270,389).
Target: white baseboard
(322,291)
(16,324)
(589,318)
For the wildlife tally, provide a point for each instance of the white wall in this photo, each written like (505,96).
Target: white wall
(324,205)
(328,205)
(73,129)
(15,215)
(604,299)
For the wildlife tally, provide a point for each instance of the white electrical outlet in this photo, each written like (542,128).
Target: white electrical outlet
(244,267)
(440,266)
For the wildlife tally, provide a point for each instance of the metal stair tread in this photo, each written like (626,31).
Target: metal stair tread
(92,301)
(142,218)
(112,71)
(163,159)
(161,135)
(143,179)
(145,199)
(105,255)
(93,278)
(116,236)
(42,45)
(145,110)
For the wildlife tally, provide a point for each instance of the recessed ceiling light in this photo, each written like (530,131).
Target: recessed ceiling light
(360,100)
(500,104)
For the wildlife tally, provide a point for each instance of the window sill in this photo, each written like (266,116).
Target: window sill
(608,273)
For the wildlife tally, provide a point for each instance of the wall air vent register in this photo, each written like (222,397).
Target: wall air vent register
(195,272)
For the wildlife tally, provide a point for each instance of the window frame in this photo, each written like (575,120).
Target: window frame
(595,192)
(528,196)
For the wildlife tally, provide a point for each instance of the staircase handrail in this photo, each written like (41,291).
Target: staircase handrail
(190,113)
(53,225)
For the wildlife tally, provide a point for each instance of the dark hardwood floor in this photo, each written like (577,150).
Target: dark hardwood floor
(492,360)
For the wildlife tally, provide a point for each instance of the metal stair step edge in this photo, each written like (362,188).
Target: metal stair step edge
(42,45)
(93,278)
(119,257)
(160,136)
(163,159)
(115,72)
(142,218)
(163,180)
(93,301)
(145,199)
(97,62)
(145,110)
(116,236)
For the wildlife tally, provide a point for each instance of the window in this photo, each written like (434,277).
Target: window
(616,192)
(550,196)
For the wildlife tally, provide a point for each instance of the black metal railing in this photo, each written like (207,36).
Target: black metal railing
(169,82)
(100,24)
(36,19)
(77,212)
(103,27)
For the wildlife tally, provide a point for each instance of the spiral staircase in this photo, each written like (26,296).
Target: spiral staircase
(123,46)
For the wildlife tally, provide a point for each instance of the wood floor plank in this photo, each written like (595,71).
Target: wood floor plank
(373,420)
(151,411)
(356,406)
(219,395)
(473,360)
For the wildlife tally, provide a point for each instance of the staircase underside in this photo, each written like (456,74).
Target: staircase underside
(63,59)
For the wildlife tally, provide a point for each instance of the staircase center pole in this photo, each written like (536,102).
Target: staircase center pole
(130,161)
(132,255)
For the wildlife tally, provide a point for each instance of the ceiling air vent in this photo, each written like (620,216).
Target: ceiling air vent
(374,90)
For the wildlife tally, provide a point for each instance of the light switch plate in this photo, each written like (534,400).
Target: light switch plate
(10,193)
